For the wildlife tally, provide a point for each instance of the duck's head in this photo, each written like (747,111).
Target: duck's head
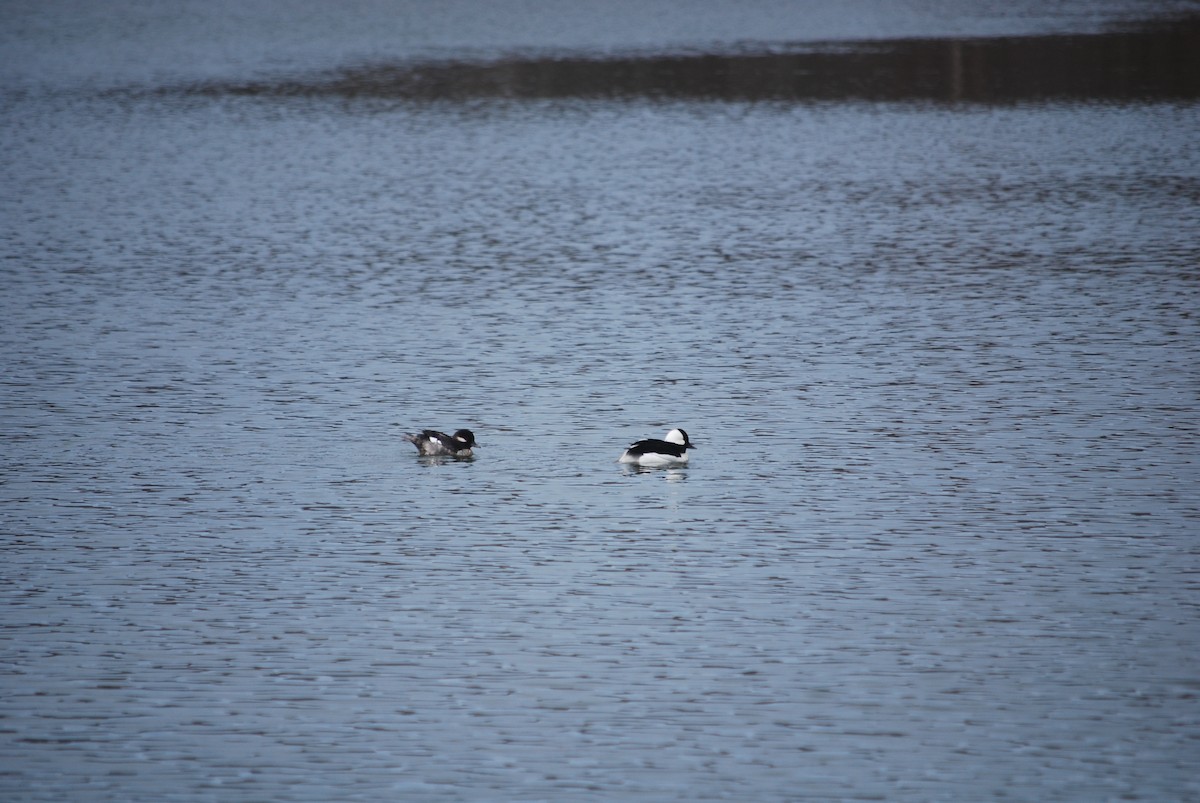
(678,436)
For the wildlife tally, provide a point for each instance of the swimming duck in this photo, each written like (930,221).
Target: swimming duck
(670,451)
(431,442)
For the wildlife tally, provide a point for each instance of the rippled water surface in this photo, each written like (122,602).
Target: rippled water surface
(938,541)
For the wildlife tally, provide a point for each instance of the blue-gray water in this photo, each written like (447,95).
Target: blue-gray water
(938,541)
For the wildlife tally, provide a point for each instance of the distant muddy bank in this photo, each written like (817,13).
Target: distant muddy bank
(1151,63)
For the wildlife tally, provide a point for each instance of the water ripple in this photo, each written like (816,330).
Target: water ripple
(937,540)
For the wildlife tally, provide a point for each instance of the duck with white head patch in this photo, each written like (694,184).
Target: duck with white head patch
(670,451)
(432,443)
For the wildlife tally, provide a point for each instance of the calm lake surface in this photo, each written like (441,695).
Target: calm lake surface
(934,335)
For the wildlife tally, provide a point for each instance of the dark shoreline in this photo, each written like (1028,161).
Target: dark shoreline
(1151,63)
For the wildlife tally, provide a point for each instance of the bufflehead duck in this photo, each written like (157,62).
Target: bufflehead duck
(671,451)
(430,442)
